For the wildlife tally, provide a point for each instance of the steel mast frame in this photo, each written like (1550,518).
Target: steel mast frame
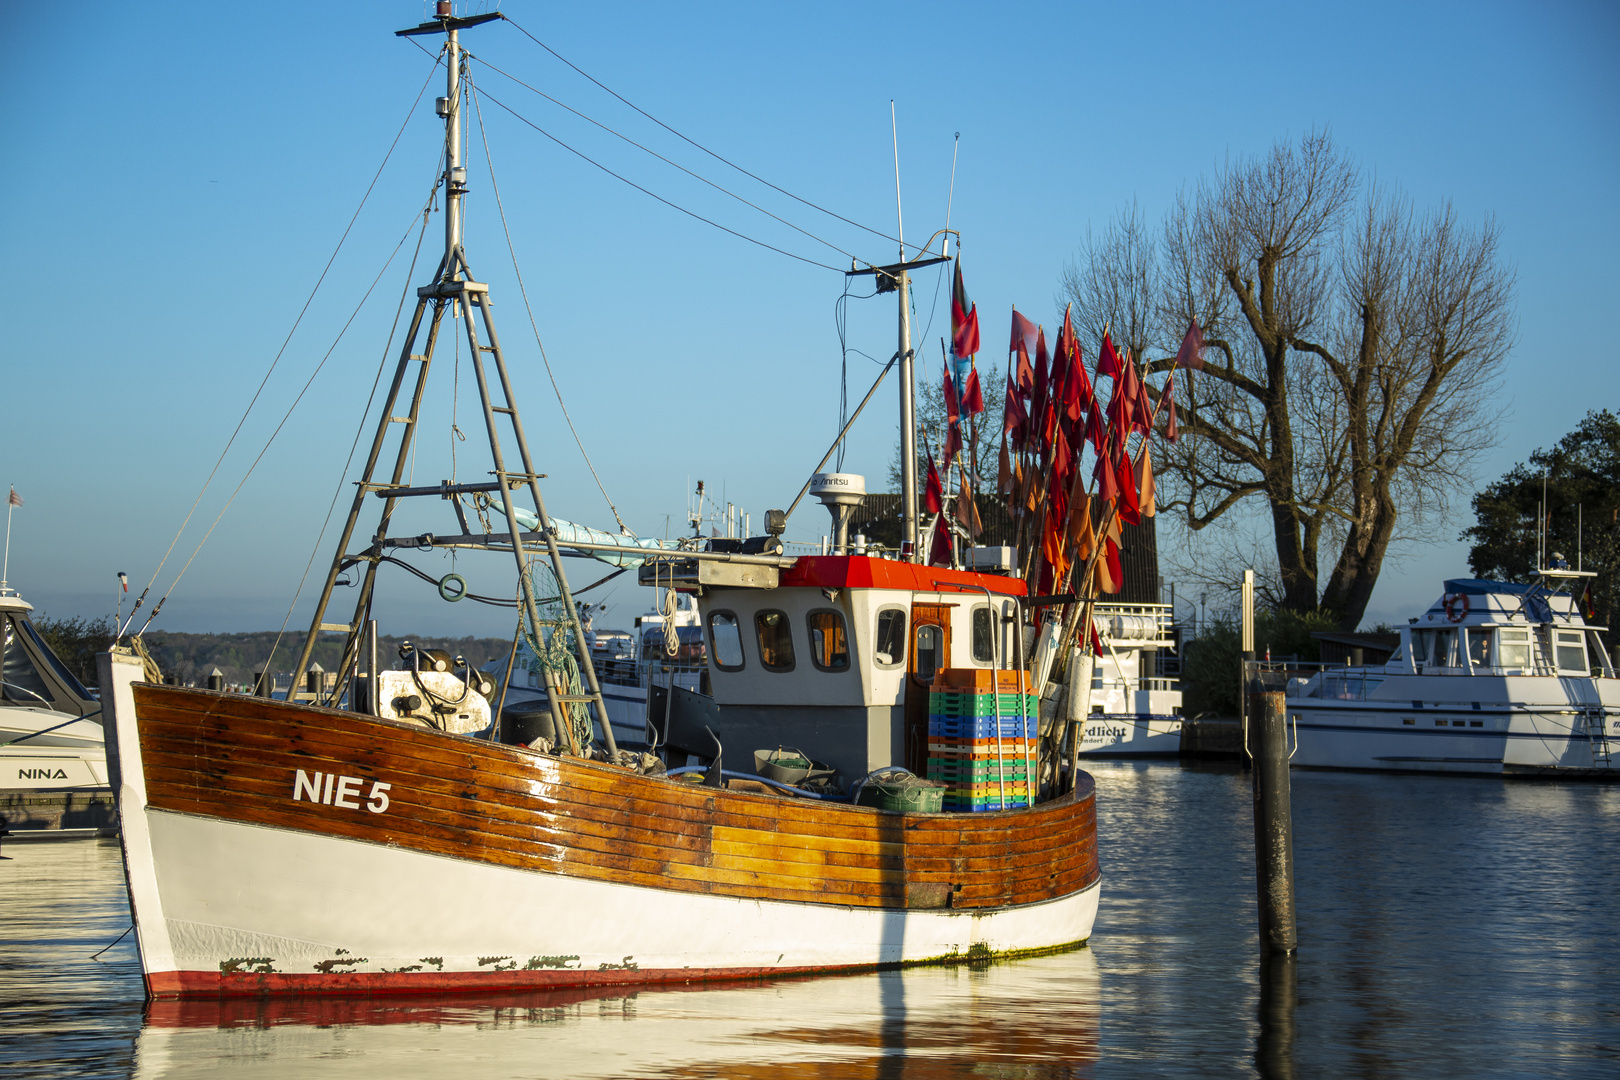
(452,289)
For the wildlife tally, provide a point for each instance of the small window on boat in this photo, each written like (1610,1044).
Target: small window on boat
(22,681)
(984,642)
(725,641)
(1476,723)
(930,652)
(1407,720)
(829,642)
(775,640)
(1479,646)
(1422,647)
(1513,649)
(1572,652)
(890,642)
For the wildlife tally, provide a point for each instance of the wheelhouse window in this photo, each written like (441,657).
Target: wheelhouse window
(1479,647)
(889,644)
(725,641)
(930,652)
(775,640)
(1513,649)
(984,641)
(829,641)
(1572,652)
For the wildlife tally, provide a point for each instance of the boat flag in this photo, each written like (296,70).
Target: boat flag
(1023,333)
(1108,358)
(1145,411)
(964,319)
(1144,480)
(14,499)
(1172,431)
(1107,481)
(1191,353)
(934,495)
(1014,419)
(952,401)
(972,396)
(1115,573)
(1096,643)
(1004,470)
(1130,504)
(939,550)
(123,579)
(1042,363)
(967,512)
(1023,339)
(1588,606)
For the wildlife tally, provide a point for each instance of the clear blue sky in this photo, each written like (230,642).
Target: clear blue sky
(181,172)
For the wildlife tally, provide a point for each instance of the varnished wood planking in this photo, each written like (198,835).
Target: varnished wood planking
(471,799)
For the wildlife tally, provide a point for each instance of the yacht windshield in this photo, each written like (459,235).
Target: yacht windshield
(23,686)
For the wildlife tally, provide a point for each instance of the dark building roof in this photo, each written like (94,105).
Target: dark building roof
(878,517)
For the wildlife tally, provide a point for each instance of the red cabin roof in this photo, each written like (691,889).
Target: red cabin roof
(863,572)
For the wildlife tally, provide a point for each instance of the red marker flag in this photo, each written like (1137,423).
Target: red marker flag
(964,319)
(1108,362)
(1023,334)
(934,494)
(951,400)
(1191,353)
(1013,417)
(939,551)
(972,396)
(1172,431)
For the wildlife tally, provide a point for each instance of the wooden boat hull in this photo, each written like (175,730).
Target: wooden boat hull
(276,848)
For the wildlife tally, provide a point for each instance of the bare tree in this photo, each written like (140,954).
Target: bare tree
(1352,351)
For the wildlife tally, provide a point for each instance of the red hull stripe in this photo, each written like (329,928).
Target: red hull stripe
(214,984)
(861,572)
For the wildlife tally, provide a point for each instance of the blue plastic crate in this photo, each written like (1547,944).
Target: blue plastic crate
(983,727)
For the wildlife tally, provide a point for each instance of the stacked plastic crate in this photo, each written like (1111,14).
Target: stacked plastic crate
(983,731)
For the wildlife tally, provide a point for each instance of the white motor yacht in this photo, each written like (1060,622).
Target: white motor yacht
(1493,678)
(53,761)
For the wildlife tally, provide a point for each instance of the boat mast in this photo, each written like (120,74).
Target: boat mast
(454,291)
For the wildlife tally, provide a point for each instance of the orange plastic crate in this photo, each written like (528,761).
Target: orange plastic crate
(979,679)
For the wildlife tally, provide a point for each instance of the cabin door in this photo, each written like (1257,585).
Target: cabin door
(930,651)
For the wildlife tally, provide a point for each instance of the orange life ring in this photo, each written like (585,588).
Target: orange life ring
(1456,606)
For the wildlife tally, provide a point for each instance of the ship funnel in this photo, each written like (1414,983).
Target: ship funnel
(840,493)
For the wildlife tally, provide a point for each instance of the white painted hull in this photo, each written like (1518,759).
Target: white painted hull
(1131,735)
(357,913)
(1490,740)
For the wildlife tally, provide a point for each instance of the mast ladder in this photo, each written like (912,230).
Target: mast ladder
(453,289)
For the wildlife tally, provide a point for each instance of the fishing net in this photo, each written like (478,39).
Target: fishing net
(552,648)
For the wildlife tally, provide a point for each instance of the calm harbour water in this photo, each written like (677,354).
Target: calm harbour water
(1449,928)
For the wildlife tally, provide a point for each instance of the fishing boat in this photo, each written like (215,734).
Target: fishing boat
(1495,678)
(405,844)
(53,762)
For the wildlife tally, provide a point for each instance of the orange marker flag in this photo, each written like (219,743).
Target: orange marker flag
(1144,480)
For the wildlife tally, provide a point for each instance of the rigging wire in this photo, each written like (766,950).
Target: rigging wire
(651,194)
(667,161)
(279,353)
(699,145)
(283,423)
(474,93)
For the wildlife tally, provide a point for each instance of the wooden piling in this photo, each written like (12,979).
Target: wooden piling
(1273,822)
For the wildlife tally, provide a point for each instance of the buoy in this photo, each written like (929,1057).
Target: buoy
(452,587)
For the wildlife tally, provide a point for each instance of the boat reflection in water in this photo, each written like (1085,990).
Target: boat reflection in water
(1031,1018)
